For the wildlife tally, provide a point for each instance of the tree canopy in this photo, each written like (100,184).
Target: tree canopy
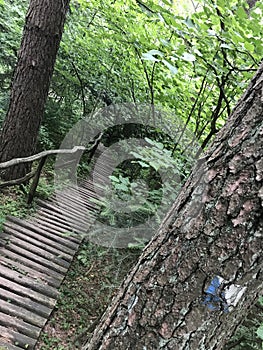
(195,62)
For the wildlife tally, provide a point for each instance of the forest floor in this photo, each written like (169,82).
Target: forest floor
(93,279)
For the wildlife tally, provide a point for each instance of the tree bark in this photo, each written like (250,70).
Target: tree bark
(41,38)
(214,230)
(251,3)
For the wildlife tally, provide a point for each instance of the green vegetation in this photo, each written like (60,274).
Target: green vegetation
(90,284)
(13,202)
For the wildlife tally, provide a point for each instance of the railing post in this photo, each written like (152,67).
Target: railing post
(35,181)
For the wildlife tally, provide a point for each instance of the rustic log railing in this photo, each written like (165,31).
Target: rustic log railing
(42,156)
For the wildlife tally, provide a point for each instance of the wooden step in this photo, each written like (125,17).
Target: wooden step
(35,256)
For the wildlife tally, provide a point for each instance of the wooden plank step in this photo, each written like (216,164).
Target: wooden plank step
(87,191)
(30,272)
(63,221)
(28,282)
(60,237)
(23,314)
(69,203)
(76,225)
(53,228)
(51,240)
(10,239)
(81,199)
(51,219)
(19,325)
(18,339)
(39,265)
(27,292)
(6,346)
(52,205)
(79,222)
(25,302)
(34,258)
(22,234)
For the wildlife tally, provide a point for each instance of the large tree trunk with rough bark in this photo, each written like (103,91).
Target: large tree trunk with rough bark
(199,276)
(42,34)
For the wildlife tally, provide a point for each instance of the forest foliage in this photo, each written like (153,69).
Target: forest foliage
(193,59)
(195,62)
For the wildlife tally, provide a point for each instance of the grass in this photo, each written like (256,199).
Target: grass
(13,202)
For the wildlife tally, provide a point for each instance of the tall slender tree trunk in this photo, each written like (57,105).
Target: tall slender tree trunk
(251,3)
(41,38)
(198,277)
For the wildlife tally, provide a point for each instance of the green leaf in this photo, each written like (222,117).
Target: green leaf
(260,332)
(121,187)
(114,178)
(241,13)
(172,68)
(155,52)
(198,53)
(188,57)
(150,55)
(143,165)
(146,56)
(211,32)
(165,42)
(189,23)
(155,165)
(249,46)
(136,155)
(154,143)
(226,46)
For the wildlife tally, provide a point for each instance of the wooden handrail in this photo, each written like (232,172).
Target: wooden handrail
(34,174)
(40,155)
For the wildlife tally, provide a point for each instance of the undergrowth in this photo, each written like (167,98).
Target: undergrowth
(13,202)
(87,290)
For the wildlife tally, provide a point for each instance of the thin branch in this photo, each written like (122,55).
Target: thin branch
(190,113)
(82,88)
(144,7)
(146,75)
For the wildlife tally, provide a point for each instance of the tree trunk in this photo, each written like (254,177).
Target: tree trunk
(251,3)
(198,277)
(42,34)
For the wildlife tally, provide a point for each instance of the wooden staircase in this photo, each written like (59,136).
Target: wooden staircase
(35,256)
